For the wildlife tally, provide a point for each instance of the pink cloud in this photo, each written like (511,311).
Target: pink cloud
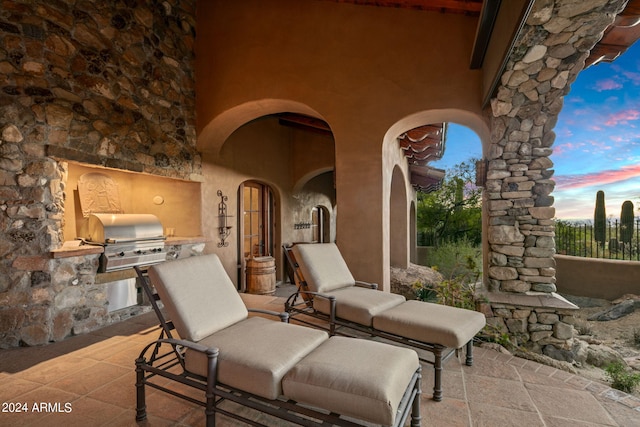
(622,117)
(633,76)
(617,138)
(607,84)
(559,150)
(565,133)
(566,182)
(582,111)
(566,147)
(594,145)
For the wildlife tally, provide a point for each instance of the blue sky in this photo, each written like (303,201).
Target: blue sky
(597,144)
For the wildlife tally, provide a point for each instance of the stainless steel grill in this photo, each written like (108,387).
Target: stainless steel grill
(128,239)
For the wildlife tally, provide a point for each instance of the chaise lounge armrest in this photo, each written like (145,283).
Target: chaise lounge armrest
(283,315)
(367,285)
(181,343)
(291,301)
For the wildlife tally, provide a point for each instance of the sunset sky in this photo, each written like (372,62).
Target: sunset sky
(597,144)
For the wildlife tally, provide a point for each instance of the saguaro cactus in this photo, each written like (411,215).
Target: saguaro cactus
(600,219)
(626,222)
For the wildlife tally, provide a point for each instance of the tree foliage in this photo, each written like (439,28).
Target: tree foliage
(454,212)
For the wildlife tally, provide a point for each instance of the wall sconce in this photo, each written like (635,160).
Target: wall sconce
(224,228)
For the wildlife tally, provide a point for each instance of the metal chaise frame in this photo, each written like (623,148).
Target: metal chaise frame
(164,358)
(294,308)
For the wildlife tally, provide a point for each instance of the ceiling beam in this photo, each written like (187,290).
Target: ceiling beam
(304,122)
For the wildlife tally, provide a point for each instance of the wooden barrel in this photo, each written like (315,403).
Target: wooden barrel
(261,275)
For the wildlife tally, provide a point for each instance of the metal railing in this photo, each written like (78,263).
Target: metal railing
(578,239)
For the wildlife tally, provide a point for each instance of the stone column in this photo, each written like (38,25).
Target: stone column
(548,55)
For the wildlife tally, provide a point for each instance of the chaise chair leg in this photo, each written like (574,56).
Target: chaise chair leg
(469,359)
(141,406)
(416,419)
(210,412)
(437,371)
(212,367)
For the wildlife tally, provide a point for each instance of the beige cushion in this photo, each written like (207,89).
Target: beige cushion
(323,267)
(357,304)
(198,295)
(433,323)
(353,377)
(256,353)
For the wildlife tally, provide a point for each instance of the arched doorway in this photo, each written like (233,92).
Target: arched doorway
(479,129)
(413,234)
(398,227)
(256,219)
(255,223)
(320,224)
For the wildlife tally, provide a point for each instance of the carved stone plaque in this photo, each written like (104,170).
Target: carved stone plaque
(98,194)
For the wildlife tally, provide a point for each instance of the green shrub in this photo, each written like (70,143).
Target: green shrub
(492,333)
(620,378)
(462,272)
(425,293)
(455,259)
(456,293)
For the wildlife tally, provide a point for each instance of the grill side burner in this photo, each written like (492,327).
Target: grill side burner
(128,239)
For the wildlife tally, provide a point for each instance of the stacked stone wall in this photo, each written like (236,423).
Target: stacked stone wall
(108,83)
(548,55)
(534,328)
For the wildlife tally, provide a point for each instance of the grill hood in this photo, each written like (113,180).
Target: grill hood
(121,228)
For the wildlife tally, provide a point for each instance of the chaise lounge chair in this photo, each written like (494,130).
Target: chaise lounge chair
(292,372)
(328,291)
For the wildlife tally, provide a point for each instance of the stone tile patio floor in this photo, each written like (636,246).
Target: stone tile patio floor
(89,380)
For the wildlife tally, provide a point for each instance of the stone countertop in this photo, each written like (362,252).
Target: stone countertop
(184,240)
(75,248)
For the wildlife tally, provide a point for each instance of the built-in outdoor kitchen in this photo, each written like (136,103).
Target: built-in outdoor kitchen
(89,87)
(117,220)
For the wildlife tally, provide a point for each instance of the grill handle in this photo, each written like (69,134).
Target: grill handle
(143,239)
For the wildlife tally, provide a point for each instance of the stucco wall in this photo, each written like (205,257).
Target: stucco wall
(597,278)
(361,69)
(269,153)
(348,62)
